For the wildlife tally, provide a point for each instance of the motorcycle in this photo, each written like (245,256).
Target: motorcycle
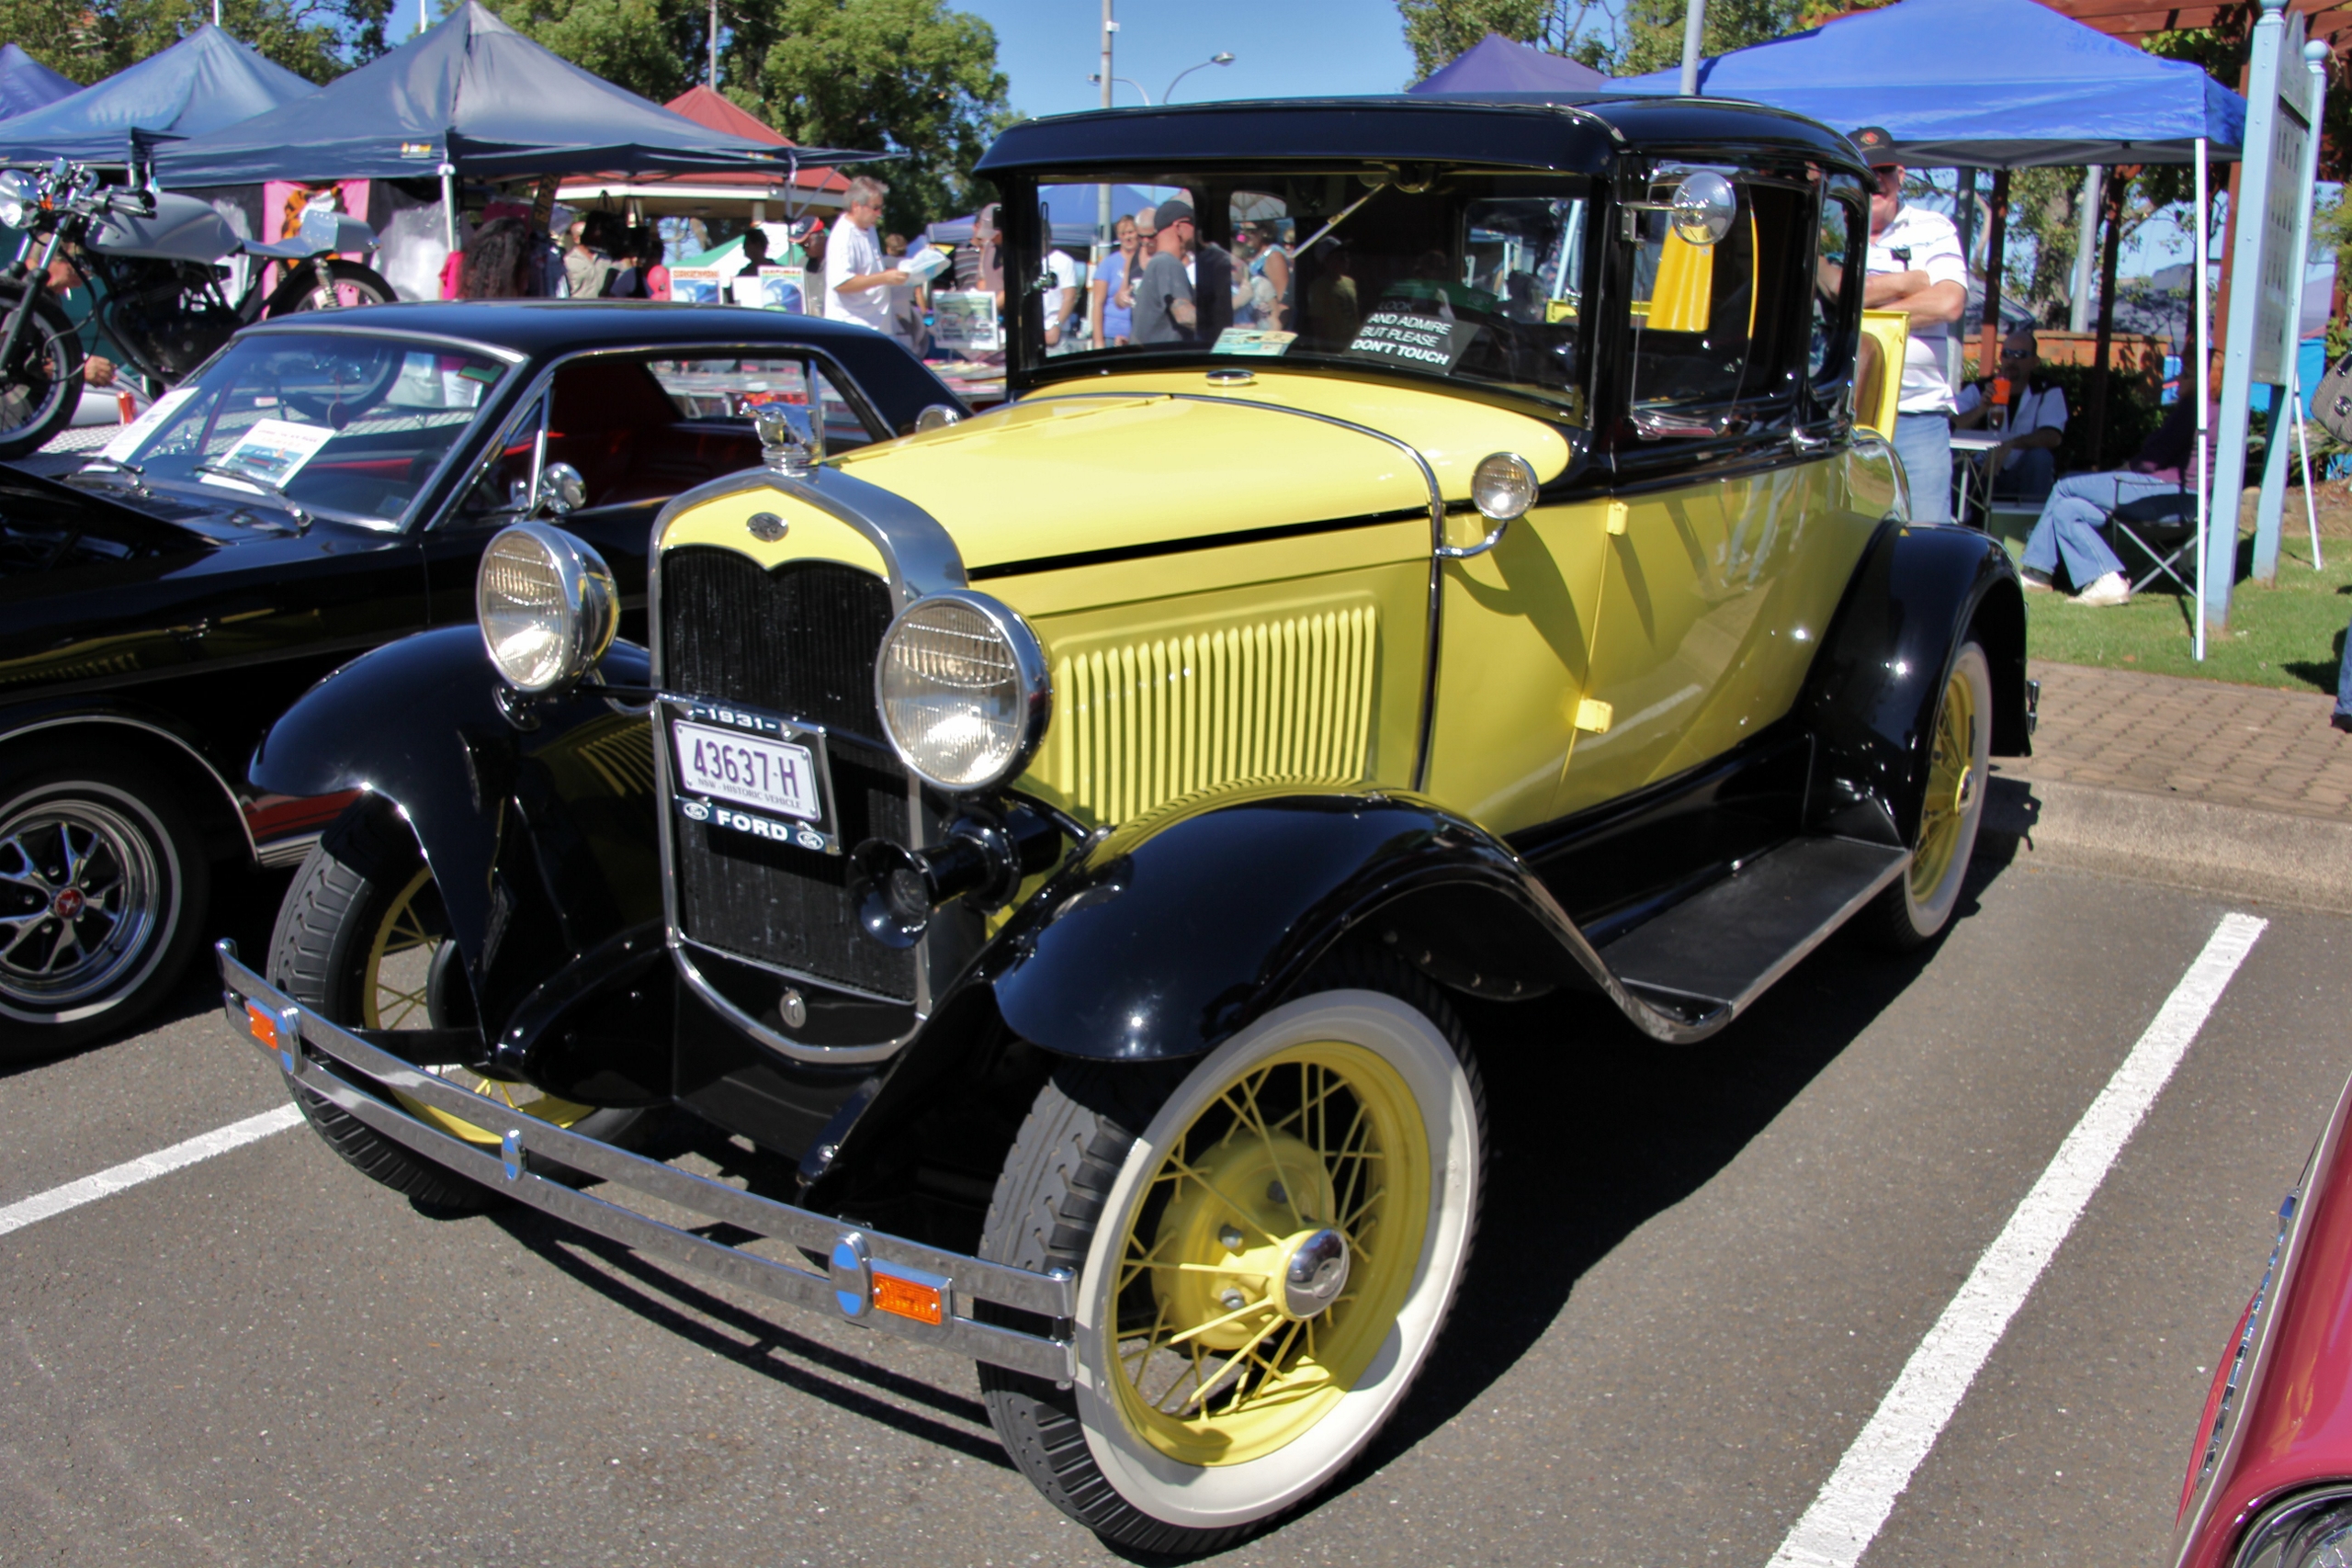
(159,269)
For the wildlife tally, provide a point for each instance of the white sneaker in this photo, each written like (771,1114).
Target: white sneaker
(2035,582)
(2108,591)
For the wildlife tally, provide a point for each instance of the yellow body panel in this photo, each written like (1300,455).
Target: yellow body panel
(1517,643)
(809,534)
(1715,601)
(1891,330)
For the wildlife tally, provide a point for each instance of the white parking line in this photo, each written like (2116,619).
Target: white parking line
(1853,1504)
(146,1168)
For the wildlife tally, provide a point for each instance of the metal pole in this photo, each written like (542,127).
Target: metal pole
(712,80)
(1103,191)
(2203,349)
(2269,515)
(2079,314)
(450,204)
(1694,22)
(2303,439)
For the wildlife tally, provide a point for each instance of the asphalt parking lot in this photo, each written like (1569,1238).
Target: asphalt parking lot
(1700,1272)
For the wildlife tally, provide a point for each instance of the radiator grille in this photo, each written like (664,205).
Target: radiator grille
(798,641)
(1142,724)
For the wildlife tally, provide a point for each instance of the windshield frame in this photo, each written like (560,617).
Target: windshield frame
(1028,367)
(491,409)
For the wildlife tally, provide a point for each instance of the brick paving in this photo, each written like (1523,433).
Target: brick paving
(2189,740)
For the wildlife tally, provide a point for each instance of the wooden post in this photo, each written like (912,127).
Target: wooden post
(2118,181)
(1996,234)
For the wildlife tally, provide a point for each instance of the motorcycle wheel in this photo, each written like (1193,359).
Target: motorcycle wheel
(354,286)
(42,382)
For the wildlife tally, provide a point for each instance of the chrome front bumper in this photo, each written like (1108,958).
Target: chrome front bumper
(882,1281)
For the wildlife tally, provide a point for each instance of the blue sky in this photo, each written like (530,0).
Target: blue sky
(1280,49)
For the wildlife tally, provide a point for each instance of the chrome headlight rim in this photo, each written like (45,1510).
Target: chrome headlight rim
(588,608)
(2287,1528)
(1506,470)
(1030,670)
(20,198)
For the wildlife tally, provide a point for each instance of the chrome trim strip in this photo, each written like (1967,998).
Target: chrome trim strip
(275,326)
(280,852)
(788,1280)
(236,806)
(837,1055)
(1437,531)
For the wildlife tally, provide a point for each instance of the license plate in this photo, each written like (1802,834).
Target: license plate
(749,770)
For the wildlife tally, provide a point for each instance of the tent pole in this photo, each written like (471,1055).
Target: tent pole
(1996,237)
(2204,376)
(2303,438)
(450,204)
(2078,312)
(2118,181)
(1694,24)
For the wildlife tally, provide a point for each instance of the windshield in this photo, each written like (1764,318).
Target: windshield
(1467,276)
(345,425)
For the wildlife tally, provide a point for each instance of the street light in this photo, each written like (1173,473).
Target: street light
(1220,57)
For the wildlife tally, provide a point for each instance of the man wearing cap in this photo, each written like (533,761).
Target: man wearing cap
(1165,311)
(1915,267)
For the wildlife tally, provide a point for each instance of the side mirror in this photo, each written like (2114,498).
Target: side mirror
(561,490)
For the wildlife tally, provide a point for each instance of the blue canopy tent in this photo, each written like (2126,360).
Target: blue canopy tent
(203,82)
(27,84)
(1073,209)
(1981,84)
(474,95)
(1494,65)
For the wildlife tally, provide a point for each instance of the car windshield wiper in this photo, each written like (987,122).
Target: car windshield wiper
(113,466)
(239,476)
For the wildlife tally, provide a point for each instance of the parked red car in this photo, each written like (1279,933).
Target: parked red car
(2269,1481)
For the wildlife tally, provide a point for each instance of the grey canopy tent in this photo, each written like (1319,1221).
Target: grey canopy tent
(27,84)
(203,82)
(473,98)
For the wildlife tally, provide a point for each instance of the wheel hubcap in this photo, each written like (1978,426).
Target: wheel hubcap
(79,897)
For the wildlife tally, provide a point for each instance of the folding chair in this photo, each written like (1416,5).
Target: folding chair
(2164,527)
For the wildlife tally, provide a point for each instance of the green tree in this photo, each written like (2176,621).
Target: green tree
(319,40)
(907,77)
(1437,30)
(1651,38)
(654,48)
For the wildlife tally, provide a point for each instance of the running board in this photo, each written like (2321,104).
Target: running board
(1705,959)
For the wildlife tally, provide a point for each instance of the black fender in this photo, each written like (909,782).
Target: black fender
(1869,699)
(1165,938)
(538,828)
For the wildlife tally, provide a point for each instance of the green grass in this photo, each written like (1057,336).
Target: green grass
(2289,636)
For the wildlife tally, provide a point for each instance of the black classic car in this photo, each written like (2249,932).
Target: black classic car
(319,488)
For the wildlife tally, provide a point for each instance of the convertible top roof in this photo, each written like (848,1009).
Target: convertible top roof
(1576,132)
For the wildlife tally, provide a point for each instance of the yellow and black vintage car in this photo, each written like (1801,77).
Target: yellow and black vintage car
(1066,832)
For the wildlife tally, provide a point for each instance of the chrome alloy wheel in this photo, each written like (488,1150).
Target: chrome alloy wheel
(79,903)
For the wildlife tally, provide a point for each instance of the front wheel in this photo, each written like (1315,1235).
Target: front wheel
(41,384)
(1267,1241)
(362,939)
(1959,759)
(354,286)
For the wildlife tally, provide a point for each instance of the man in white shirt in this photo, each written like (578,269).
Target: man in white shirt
(1915,267)
(1061,305)
(2025,464)
(858,281)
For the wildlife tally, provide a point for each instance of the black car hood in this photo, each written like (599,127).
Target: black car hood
(47,525)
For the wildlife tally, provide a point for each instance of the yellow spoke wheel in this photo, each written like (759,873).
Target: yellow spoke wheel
(1958,757)
(1215,1368)
(1267,1241)
(395,982)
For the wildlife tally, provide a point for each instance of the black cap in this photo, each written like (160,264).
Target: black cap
(1877,145)
(1169,211)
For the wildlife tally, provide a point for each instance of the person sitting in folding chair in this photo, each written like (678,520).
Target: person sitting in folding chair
(2150,490)
(2022,466)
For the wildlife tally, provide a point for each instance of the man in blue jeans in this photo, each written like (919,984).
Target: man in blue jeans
(1915,267)
(2342,717)
(2069,529)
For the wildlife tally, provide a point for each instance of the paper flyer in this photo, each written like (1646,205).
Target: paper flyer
(963,321)
(697,285)
(273,451)
(1252,339)
(158,414)
(773,288)
(924,265)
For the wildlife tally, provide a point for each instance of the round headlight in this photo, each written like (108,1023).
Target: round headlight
(20,198)
(1503,486)
(961,687)
(547,606)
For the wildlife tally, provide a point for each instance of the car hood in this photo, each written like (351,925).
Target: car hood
(49,526)
(1126,463)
